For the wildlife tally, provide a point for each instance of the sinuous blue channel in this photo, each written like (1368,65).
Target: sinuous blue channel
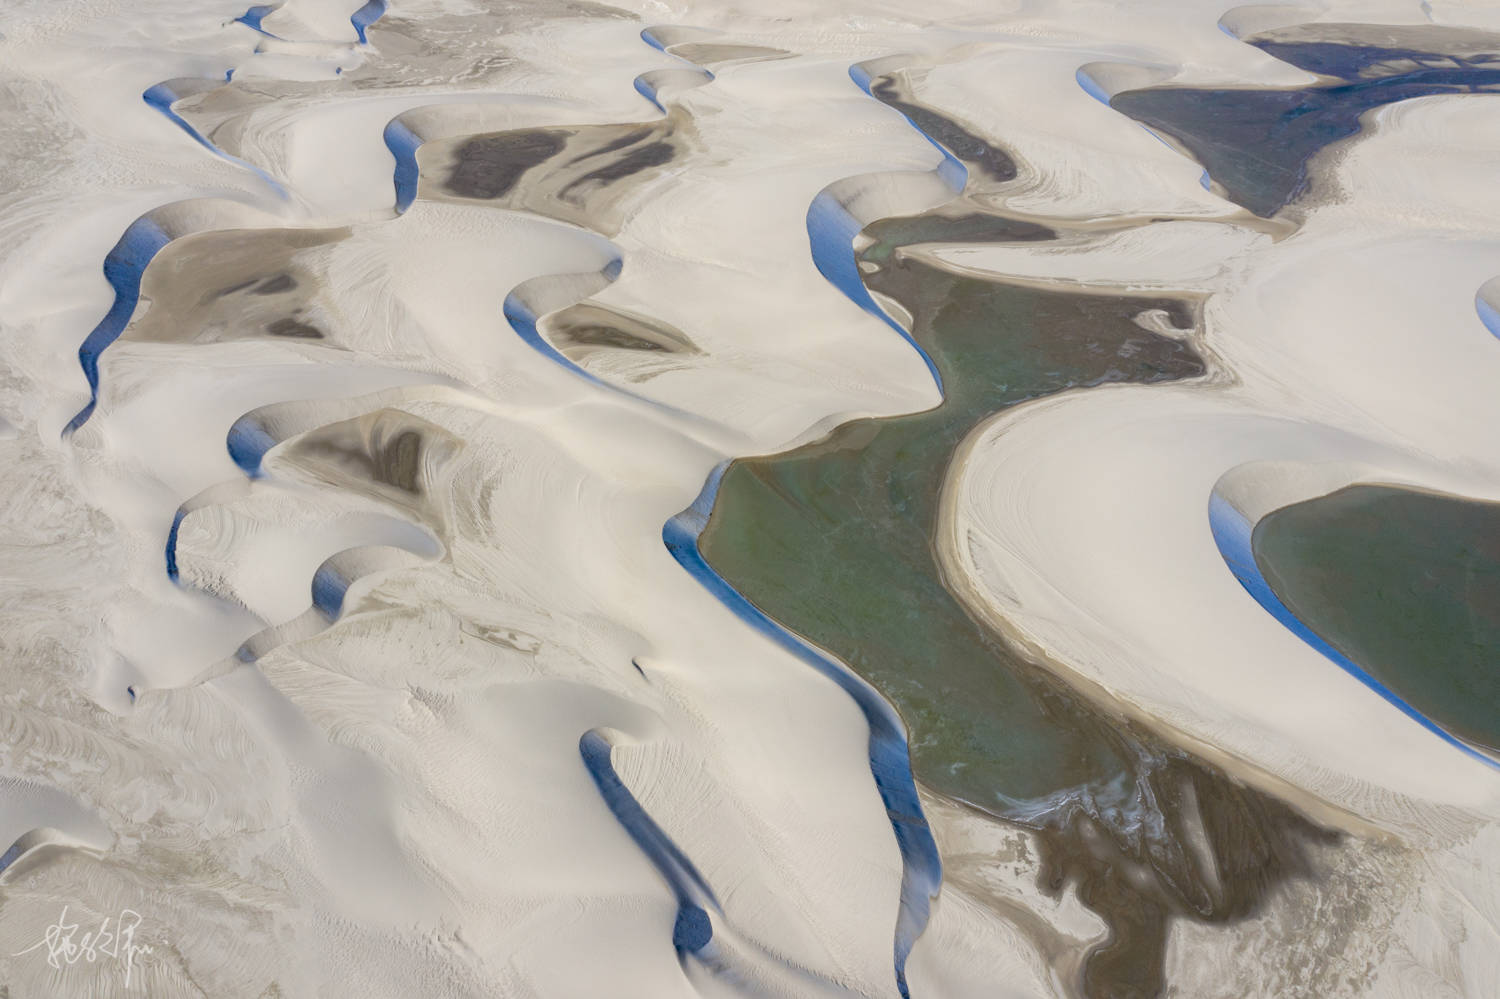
(162,97)
(9,857)
(646,90)
(693,929)
(177,519)
(123,267)
(830,235)
(1488,314)
(403,144)
(890,761)
(1233,534)
(328,590)
(252,17)
(523,320)
(366,16)
(951,171)
(650,39)
(643,83)
(248,442)
(831,230)
(1091,86)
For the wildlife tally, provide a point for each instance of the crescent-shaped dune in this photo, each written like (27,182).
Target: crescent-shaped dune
(657,499)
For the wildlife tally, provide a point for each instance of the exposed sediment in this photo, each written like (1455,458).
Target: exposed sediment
(342,645)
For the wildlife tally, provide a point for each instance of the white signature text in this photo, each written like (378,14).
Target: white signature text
(65,947)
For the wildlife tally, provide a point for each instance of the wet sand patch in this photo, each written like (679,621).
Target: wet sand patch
(974,150)
(889,234)
(488,166)
(387,454)
(574,174)
(294,328)
(233,284)
(579,330)
(656,152)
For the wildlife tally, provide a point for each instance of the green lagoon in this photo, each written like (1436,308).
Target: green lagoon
(1404,583)
(835,539)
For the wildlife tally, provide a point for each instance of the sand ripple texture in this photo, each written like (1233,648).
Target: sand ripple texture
(340,641)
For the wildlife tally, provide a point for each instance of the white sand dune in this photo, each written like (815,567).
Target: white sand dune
(1348,352)
(341,641)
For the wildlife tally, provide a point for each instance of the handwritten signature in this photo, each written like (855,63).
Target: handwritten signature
(65,948)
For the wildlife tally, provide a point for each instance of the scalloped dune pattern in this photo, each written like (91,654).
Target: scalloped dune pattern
(711,499)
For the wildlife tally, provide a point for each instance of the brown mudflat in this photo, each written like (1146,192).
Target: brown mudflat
(578,174)
(234,284)
(588,325)
(489,166)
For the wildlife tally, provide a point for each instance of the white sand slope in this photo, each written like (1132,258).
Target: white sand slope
(341,643)
(1349,352)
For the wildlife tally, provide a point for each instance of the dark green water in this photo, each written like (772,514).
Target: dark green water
(834,539)
(1404,583)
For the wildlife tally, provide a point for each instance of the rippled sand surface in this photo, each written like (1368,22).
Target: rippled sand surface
(795,499)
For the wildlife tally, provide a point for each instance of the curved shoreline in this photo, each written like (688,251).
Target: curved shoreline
(831,230)
(1232,530)
(693,931)
(361,19)
(123,268)
(163,96)
(832,227)
(527,304)
(496,724)
(890,763)
(955,575)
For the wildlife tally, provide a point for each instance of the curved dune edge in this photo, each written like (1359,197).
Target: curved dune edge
(981,581)
(251,443)
(1239,500)
(248,440)
(1311,390)
(708,946)
(835,219)
(844,208)
(163,96)
(1487,304)
(1258,425)
(126,264)
(342,796)
(38,816)
(889,762)
(982,595)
